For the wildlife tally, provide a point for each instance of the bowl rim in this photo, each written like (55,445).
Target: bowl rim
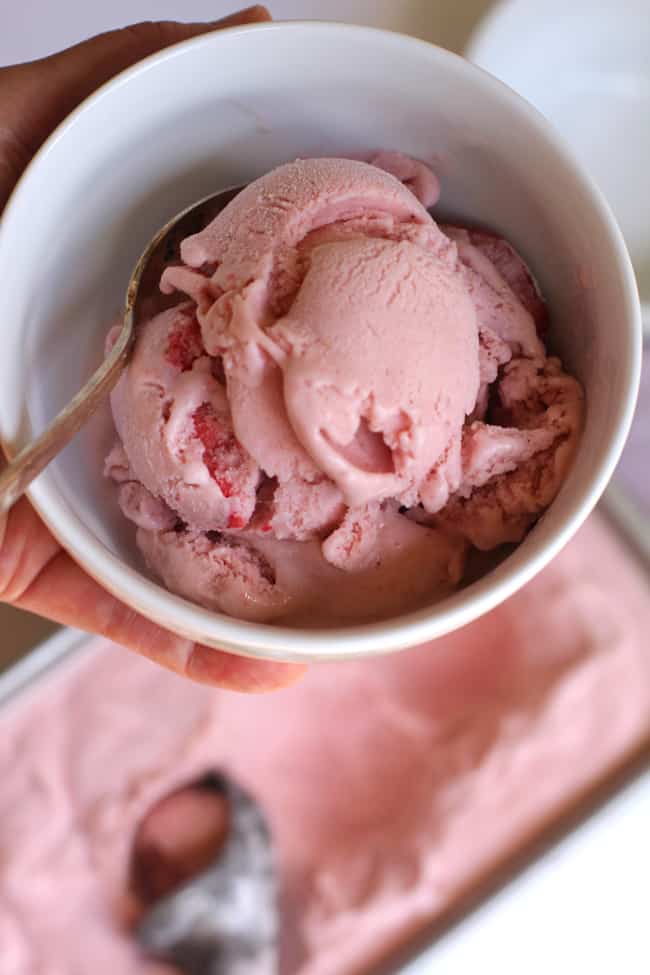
(486,41)
(299,644)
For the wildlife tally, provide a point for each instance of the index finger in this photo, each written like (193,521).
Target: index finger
(37,96)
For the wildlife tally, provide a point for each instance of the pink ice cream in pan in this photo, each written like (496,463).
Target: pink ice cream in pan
(347,400)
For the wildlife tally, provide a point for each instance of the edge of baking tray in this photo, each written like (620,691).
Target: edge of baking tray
(632,525)
(45,657)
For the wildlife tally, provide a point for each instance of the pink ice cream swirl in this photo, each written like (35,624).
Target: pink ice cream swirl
(350,397)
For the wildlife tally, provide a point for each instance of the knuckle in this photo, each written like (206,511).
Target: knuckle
(25,551)
(11,582)
(14,155)
(150,35)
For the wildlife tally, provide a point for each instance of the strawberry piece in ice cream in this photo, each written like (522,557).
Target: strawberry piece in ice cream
(184,344)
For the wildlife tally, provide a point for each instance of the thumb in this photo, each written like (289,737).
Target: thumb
(83,68)
(35,97)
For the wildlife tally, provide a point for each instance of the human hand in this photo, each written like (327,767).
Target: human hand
(35,573)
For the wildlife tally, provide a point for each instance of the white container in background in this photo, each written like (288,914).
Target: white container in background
(586,66)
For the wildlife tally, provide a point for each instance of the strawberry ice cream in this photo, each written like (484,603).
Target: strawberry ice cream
(346,398)
(383,814)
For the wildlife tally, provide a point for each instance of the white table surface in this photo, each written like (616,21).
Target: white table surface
(585,905)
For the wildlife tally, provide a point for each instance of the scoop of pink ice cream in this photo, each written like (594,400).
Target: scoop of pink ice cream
(381,365)
(376,564)
(343,318)
(349,397)
(542,407)
(173,419)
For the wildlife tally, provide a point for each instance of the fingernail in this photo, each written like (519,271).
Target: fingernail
(250,15)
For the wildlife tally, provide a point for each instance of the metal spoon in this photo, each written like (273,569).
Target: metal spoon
(160,251)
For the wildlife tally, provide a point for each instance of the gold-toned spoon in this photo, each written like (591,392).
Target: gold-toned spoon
(161,249)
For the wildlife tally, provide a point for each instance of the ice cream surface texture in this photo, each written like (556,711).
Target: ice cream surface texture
(383,814)
(345,399)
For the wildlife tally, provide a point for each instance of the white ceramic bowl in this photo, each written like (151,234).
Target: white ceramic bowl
(223,109)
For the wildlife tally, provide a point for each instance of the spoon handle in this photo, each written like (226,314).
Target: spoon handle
(33,458)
